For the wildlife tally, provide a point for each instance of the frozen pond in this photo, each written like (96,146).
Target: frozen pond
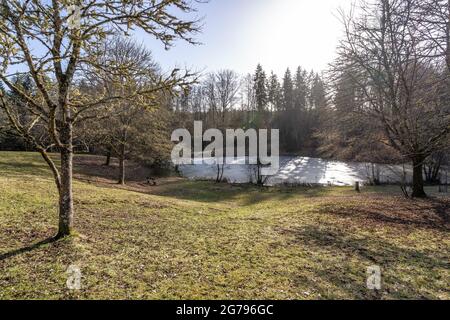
(302,170)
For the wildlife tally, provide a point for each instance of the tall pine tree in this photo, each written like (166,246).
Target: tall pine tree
(288,91)
(260,84)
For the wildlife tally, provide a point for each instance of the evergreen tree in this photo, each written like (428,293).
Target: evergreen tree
(300,89)
(288,91)
(318,95)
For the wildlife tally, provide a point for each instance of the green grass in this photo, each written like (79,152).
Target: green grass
(198,240)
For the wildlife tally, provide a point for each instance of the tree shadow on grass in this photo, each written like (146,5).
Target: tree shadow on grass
(20,169)
(374,250)
(430,214)
(442,209)
(370,251)
(27,249)
(92,168)
(244,194)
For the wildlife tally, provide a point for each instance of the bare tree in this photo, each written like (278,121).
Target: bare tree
(139,72)
(221,89)
(210,91)
(431,20)
(404,90)
(227,86)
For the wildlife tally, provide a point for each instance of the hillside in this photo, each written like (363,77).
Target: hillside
(193,240)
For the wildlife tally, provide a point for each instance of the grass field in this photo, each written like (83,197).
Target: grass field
(195,240)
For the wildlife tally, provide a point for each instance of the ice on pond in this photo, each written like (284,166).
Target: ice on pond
(301,170)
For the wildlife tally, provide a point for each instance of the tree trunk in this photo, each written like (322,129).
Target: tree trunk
(357,187)
(122,166)
(122,171)
(66,193)
(418,183)
(447,35)
(108,158)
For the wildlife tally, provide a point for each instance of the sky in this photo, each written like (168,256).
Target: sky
(239,34)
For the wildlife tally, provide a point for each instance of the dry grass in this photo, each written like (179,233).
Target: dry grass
(196,240)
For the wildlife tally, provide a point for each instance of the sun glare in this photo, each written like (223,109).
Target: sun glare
(288,33)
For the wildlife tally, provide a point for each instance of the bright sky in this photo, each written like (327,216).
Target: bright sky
(238,34)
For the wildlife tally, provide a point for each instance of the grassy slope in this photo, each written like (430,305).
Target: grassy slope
(198,240)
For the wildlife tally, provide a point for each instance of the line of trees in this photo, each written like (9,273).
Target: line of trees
(385,99)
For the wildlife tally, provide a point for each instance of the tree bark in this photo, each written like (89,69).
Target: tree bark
(108,158)
(447,34)
(418,182)
(66,193)
(122,171)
